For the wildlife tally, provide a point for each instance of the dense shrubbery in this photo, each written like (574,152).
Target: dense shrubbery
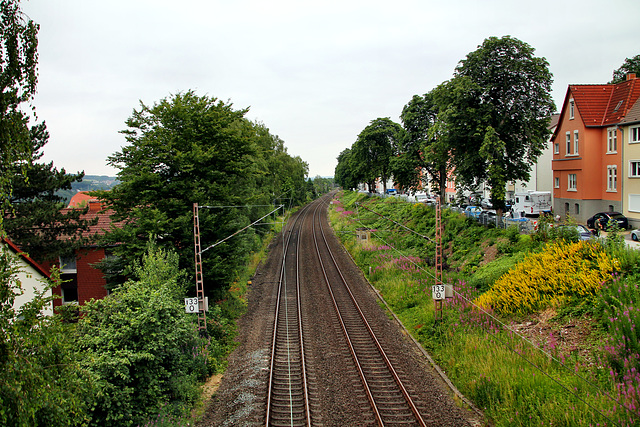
(143,350)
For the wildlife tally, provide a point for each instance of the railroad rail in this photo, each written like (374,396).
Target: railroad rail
(289,397)
(389,399)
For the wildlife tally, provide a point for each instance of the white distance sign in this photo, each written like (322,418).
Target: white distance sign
(438,292)
(191,305)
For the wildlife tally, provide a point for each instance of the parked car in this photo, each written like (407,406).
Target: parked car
(580,230)
(603,218)
(473,211)
(635,234)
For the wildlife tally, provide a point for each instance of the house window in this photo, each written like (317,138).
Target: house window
(612,140)
(634,202)
(575,142)
(634,135)
(571,109)
(556,182)
(556,148)
(566,208)
(577,206)
(634,169)
(612,178)
(573,182)
(67,264)
(69,288)
(568,143)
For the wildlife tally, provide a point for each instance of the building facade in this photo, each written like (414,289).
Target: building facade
(587,156)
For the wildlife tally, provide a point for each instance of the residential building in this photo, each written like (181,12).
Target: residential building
(32,276)
(81,279)
(541,177)
(587,158)
(630,174)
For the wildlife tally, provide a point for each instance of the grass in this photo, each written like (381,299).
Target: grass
(508,377)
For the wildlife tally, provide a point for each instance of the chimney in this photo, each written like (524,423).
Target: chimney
(95,205)
(631,76)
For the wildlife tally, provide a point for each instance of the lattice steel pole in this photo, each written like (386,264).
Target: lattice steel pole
(202,319)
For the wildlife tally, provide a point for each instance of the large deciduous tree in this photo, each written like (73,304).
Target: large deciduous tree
(347,171)
(186,149)
(18,79)
(422,149)
(497,110)
(374,148)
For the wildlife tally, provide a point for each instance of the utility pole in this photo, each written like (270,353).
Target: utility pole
(438,255)
(202,319)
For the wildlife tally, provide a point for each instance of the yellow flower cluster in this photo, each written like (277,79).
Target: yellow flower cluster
(547,278)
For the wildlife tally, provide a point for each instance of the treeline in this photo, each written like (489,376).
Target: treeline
(488,124)
(188,149)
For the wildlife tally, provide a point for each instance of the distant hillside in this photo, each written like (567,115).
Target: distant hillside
(89,183)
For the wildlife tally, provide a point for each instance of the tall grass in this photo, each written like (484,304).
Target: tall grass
(512,380)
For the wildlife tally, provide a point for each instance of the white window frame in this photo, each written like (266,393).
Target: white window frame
(568,143)
(556,148)
(634,134)
(612,178)
(556,182)
(68,264)
(612,140)
(572,182)
(634,168)
(575,143)
(572,109)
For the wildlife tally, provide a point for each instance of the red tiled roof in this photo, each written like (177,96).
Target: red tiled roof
(605,105)
(104,222)
(15,249)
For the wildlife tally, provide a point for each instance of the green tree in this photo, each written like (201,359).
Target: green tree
(18,79)
(36,220)
(140,346)
(503,90)
(187,149)
(374,148)
(347,172)
(630,66)
(422,148)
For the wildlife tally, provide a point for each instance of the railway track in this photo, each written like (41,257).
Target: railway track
(290,398)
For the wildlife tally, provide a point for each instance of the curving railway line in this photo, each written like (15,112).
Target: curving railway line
(291,396)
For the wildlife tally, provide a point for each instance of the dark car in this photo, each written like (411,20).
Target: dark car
(603,219)
(578,230)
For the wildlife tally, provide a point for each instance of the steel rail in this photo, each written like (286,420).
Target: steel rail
(383,354)
(282,282)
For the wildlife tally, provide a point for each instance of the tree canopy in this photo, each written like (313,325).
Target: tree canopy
(496,112)
(189,149)
(374,148)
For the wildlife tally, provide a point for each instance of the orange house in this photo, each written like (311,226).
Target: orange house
(587,150)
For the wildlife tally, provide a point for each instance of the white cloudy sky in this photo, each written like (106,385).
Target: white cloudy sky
(315,73)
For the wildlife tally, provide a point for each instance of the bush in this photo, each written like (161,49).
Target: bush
(548,278)
(41,383)
(143,350)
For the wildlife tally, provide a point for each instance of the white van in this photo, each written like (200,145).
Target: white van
(531,204)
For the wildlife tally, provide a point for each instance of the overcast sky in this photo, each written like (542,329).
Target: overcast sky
(315,73)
